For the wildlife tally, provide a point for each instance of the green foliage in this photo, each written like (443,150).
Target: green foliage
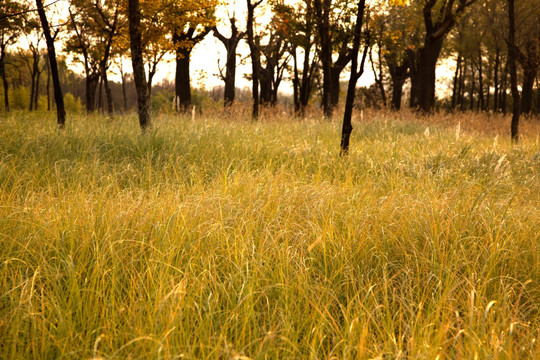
(213,239)
(72,104)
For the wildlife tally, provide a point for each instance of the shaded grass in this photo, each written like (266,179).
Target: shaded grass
(212,239)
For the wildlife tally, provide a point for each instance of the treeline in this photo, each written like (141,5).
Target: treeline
(492,45)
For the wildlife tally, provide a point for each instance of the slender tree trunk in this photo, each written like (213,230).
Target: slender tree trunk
(58,97)
(496,81)
(473,86)
(48,86)
(296,81)
(463,76)
(323,13)
(529,75)
(538,95)
(455,82)
(4,77)
(480,84)
(135,41)
(514,127)
(356,72)
(124,91)
(108,94)
(255,58)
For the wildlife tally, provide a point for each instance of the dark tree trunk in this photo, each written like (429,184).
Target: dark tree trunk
(423,83)
(58,97)
(255,58)
(4,77)
(538,95)
(230,44)
(36,90)
(323,14)
(504,86)
(91,83)
(398,74)
(496,80)
(265,81)
(463,76)
(455,82)
(296,81)
(378,76)
(124,92)
(529,76)
(183,54)
(183,81)
(480,84)
(108,93)
(512,54)
(135,40)
(48,86)
(473,86)
(356,72)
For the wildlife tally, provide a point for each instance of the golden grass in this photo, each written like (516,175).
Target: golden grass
(220,237)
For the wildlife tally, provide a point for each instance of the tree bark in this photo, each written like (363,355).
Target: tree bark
(183,81)
(529,75)
(423,82)
(4,77)
(135,40)
(425,59)
(455,82)
(356,72)
(323,14)
(58,97)
(496,81)
(230,44)
(512,54)
(255,58)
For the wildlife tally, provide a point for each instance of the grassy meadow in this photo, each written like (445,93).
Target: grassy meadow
(223,238)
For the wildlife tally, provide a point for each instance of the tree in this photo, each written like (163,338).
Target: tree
(11,27)
(58,97)
(512,54)
(94,26)
(189,21)
(255,57)
(136,46)
(230,44)
(335,30)
(300,29)
(439,17)
(356,72)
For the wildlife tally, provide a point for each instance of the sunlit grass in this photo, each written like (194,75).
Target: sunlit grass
(220,237)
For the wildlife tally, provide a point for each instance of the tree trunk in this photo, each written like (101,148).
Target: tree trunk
(230,67)
(135,41)
(514,127)
(48,86)
(108,93)
(496,81)
(255,58)
(183,81)
(356,72)
(4,77)
(323,13)
(480,84)
(455,82)
(58,97)
(529,75)
(124,92)
(473,86)
(423,84)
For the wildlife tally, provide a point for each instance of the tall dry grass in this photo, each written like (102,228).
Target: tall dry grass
(218,237)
